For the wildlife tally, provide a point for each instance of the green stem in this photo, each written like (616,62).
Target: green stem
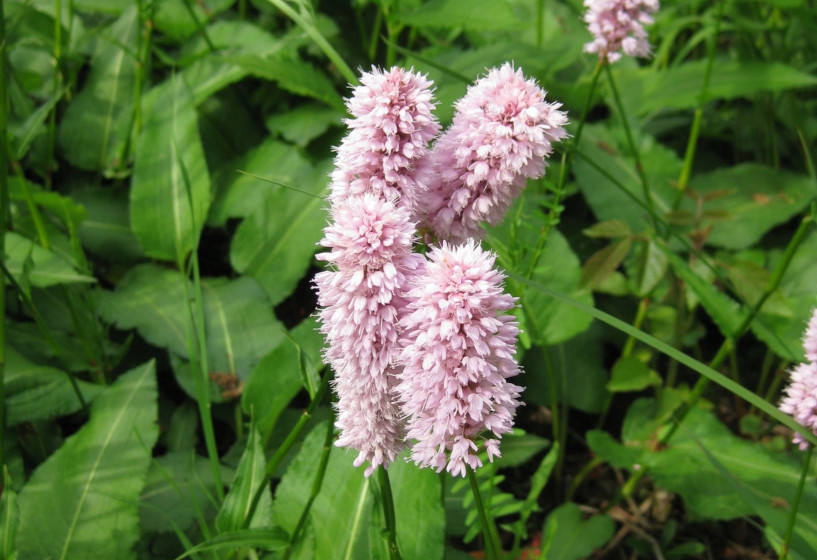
(489,532)
(689,156)
(633,148)
(388,513)
(540,22)
(52,119)
(317,482)
(784,550)
(199,26)
(4,210)
(567,158)
(319,39)
(281,452)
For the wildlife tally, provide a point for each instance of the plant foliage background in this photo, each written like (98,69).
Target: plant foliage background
(163,173)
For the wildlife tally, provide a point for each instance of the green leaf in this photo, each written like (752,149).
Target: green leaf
(34,391)
(174,19)
(631,374)
(304,123)
(518,447)
(9,518)
(420,517)
(276,243)
(179,488)
(651,268)
(248,477)
(87,490)
(604,262)
(759,198)
(481,15)
(97,122)
(612,229)
(169,160)
(47,269)
(264,539)
(339,516)
(25,134)
(106,231)
(567,536)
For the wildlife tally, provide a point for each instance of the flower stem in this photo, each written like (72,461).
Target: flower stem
(784,550)
(388,513)
(489,531)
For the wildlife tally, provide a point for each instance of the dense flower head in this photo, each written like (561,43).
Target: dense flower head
(800,399)
(617,25)
(389,133)
(502,131)
(458,353)
(361,306)
(810,338)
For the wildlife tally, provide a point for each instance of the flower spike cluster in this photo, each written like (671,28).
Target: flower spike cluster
(502,131)
(457,356)
(800,398)
(423,347)
(617,25)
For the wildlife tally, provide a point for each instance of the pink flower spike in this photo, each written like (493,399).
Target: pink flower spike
(361,299)
(390,130)
(457,357)
(800,399)
(810,338)
(502,131)
(617,26)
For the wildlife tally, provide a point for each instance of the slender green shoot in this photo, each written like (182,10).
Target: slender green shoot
(200,27)
(302,20)
(493,550)
(633,148)
(784,549)
(4,210)
(689,156)
(388,513)
(317,482)
(291,438)
(52,120)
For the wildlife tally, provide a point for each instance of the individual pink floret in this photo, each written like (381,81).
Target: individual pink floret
(800,399)
(371,250)
(617,25)
(810,338)
(458,355)
(391,128)
(502,131)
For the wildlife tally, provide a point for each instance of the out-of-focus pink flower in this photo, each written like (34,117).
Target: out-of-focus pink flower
(502,131)
(810,338)
(617,26)
(800,399)
(458,353)
(390,130)
(361,299)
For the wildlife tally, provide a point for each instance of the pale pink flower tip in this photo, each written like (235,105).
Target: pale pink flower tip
(617,25)
(800,399)
(361,305)
(391,128)
(502,131)
(810,338)
(458,354)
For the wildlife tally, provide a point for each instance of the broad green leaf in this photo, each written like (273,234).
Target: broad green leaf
(604,262)
(169,160)
(9,518)
(174,19)
(87,490)
(275,244)
(179,488)
(248,478)
(339,516)
(568,536)
(420,517)
(182,432)
(46,268)
(650,268)
(613,229)
(33,125)
(239,322)
(34,391)
(607,148)
(106,231)
(238,195)
(759,198)
(304,123)
(481,15)
(519,447)
(263,539)
(97,122)
(631,374)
